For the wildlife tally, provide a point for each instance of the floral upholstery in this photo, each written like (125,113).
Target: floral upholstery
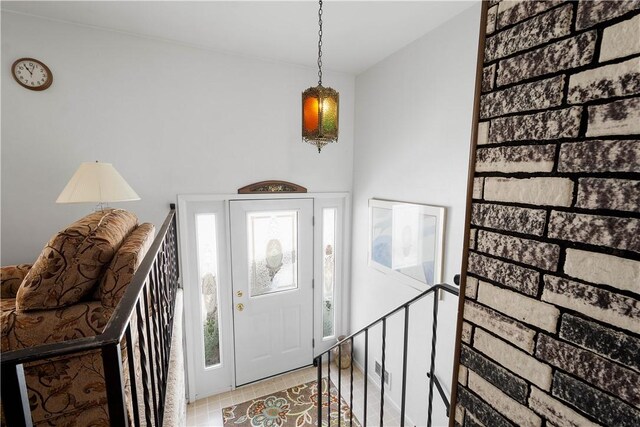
(124,265)
(70,390)
(73,260)
(11,278)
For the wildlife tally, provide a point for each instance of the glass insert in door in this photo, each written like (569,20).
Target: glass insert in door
(208,275)
(272,248)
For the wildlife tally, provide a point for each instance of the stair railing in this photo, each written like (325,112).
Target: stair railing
(433,380)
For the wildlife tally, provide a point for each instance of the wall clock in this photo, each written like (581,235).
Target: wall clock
(32,74)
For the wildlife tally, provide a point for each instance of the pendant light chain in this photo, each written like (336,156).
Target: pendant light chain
(320,45)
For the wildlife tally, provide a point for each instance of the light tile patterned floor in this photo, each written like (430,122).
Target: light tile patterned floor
(208,411)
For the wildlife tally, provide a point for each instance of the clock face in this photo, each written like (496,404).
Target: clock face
(32,74)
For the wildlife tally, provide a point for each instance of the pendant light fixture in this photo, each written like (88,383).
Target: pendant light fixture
(320,106)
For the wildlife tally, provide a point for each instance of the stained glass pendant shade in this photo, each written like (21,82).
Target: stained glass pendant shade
(320,106)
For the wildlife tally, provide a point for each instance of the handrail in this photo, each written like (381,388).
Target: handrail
(433,380)
(444,286)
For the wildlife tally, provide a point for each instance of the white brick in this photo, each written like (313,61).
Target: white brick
(556,412)
(513,359)
(466,332)
(471,290)
(472,238)
(604,82)
(620,117)
(508,4)
(463,373)
(483,133)
(459,414)
(508,407)
(604,269)
(620,40)
(533,191)
(495,322)
(518,306)
(478,184)
(492,14)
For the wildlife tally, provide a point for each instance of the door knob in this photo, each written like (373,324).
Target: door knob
(239,294)
(240,307)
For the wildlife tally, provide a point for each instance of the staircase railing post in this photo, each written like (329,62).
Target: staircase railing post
(404,365)
(433,355)
(319,364)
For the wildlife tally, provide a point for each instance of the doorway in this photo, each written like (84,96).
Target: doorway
(263,277)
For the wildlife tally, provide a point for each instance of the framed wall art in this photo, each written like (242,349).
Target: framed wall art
(407,240)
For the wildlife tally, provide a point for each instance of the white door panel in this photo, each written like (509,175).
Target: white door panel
(272,271)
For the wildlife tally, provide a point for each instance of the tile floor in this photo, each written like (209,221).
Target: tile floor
(208,411)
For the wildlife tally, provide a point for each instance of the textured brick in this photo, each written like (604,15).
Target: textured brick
(600,156)
(478,185)
(570,53)
(532,191)
(471,290)
(599,304)
(495,374)
(555,411)
(622,39)
(606,409)
(538,254)
(472,238)
(513,359)
(488,74)
(480,410)
(525,309)
(519,414)
(621,273)
(491,19)
(463,374)
(605,82)
(511,12)
(519,278)
(471,421)
(614,345)
(592,12)
(523,158)
(509,218)
(538,95)
(590,367)
(614,194)
(467,332)
(495,322)
(615,118)
(548,125)
(534,32)
(483,132)
(614,232)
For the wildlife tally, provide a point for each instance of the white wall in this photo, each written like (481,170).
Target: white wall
(172,119)
(413,127)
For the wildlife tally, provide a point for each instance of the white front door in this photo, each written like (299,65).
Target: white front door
(272,274)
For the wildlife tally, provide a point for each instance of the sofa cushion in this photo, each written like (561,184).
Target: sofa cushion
(73,260)
(11,277)
(124,265)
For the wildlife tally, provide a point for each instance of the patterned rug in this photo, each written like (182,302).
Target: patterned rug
(295,407)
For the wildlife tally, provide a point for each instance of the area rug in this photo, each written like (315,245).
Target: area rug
(295,407)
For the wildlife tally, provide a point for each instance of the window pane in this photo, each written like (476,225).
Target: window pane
(273,246)
(208,274)
(328,270)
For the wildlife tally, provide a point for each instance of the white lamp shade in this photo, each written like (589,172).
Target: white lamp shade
(97,183)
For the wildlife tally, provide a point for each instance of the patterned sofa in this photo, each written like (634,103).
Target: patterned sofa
(70,292)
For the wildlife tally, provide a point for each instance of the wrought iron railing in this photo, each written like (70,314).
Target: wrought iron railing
(433,380)
(148,304)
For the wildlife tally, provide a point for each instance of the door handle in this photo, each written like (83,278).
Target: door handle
(240,306)
(239,294)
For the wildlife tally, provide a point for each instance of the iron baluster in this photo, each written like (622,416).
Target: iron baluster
(404,365)
(433,356)
(384,344)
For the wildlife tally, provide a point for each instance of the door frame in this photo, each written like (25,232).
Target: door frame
(340,200)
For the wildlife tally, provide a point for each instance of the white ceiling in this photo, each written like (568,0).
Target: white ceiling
(357,34)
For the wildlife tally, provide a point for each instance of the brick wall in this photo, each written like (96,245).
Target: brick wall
(551,332)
